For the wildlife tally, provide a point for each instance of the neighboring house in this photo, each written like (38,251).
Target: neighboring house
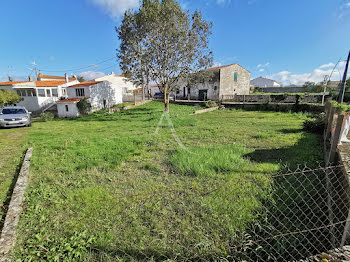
(120,82)
(333,84)
(227,82)
(100,94)
(38,95)
(265,82)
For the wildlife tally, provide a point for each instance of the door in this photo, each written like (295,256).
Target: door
(203,95)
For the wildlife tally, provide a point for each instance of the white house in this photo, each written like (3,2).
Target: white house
(38,95)
(100,94)
(119,81)
(265,82)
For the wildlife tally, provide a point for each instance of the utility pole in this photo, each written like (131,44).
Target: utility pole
(343,83)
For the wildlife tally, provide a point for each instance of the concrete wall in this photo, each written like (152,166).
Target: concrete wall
(105,95)
(72,110)
(228,86)
(119,82)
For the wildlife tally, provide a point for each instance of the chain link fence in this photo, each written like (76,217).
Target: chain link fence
(289,216)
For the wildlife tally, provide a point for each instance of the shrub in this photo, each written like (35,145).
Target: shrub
(84,106)
(210,103)
(315,125)
(44,117)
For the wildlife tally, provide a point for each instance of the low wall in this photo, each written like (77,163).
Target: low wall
(311,108)
(282,89)
(283,98)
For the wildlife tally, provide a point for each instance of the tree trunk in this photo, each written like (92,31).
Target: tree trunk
(166,102)
(166,99)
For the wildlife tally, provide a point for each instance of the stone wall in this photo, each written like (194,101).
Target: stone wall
(227,84)
(278,98)
(287,89)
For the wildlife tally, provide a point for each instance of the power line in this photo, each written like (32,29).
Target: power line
(77,69)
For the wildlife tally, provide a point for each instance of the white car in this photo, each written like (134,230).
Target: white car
(14,116)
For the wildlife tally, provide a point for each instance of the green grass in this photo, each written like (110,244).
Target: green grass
(105,187)
(12,147)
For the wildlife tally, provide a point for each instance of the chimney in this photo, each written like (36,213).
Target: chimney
(66,77)
(39,76)
(10,79)
(30,79)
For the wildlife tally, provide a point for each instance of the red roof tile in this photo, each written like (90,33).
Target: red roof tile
(49,83)
(70,100)
(12,83)
(56,77)
(87,83)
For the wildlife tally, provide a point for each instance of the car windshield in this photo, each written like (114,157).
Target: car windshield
(13,111)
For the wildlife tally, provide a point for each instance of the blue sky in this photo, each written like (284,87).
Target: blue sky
(290,40)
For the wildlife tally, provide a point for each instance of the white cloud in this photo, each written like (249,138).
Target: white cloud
(261,70)
(217,64)
(89,75)
(329,65)
(317,75)
(116,8)
(259,65)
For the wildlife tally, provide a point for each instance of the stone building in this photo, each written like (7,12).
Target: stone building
(225,83)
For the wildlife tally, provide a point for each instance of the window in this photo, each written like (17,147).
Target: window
(54,92)
(64,92)
(235,76)
(41,92)
(80,92)
(18,92)
(67,109)
(48,92)
(33,92)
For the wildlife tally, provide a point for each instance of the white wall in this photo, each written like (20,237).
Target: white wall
(119,82)
(72,110)
(98,93)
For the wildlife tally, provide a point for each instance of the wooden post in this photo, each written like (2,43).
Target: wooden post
(330,121)
(134,98)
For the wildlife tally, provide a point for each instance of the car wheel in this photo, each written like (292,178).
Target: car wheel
(29,125)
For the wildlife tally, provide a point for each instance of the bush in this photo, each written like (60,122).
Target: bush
(44,117)
(210,103)
(84,106)
(315,125)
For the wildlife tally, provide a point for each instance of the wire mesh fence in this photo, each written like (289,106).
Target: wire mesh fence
(288,216)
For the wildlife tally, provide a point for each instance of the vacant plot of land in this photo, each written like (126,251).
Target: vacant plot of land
(108,187)
(12,146)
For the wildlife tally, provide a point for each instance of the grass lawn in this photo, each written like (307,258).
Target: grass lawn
(12,147)
(108,188)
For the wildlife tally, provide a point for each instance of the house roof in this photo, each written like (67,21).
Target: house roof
(49,83)
(219,67)
(222,67)
(56,77)
(37,83)
(10,83)
(70,100)
(87,83)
